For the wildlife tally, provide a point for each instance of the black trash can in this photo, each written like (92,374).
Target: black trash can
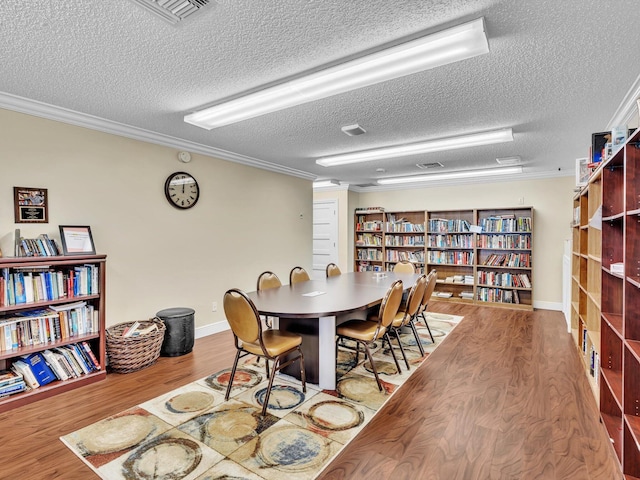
(179,335)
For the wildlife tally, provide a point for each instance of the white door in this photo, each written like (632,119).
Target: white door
(325,235)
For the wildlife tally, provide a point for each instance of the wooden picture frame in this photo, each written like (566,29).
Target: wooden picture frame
(30,205)
(77,240)
(582,171)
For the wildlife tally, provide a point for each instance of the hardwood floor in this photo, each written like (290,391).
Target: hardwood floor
(502,398)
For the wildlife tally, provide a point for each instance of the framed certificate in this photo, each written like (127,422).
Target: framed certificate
(76,240)
(30,205)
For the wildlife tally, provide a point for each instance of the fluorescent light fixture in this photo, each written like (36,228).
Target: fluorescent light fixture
(489,172)
(450,143)
(325,183)
(447,46)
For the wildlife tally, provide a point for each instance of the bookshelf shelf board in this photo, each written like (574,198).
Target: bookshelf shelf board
(486,285)
(38,305)
(613,425)
(633,422)
(4,354)
(633,212)
(634,282)
(613,379)
(614,320)
(614,218)
(634,348)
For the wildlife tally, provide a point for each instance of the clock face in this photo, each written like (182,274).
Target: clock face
(182,190)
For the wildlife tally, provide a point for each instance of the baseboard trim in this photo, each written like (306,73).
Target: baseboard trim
(212,329)
(548,305)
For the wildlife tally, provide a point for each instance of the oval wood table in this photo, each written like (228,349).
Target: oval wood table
(314,308)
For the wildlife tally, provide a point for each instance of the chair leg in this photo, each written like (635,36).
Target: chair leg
(303,375)
(428,329)
(266,365)
(373,365)
(415,334)
(404,355)
(233,373)
(393,354)
(271,377)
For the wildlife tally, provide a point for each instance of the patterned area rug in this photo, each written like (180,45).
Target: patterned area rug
(192,433)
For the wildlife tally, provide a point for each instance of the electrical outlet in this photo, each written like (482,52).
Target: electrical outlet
(214,307)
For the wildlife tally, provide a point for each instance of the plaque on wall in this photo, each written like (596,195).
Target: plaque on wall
(30,205)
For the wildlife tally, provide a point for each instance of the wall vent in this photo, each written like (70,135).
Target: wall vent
(425,166)
(173,11)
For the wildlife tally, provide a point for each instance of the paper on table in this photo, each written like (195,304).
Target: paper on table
(313,294)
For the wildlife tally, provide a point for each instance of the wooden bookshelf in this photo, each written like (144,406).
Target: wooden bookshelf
(95,338)
(481,256)
(606,301)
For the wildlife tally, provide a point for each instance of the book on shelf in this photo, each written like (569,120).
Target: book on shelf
(444,294)
(7,377)
(55,364)
(13,388)
(39,367)
(27,374)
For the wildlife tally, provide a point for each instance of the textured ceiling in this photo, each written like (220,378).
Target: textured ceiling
(556,72)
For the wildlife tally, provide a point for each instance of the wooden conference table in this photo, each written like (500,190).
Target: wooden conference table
(314,308)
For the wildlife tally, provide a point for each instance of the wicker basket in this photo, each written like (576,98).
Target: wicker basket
(128,354)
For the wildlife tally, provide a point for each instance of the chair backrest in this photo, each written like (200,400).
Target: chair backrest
(390,303)
(404,267)
(268,280)
(416,295)
(430,287)
(242,315)
(333,270)
(297,275)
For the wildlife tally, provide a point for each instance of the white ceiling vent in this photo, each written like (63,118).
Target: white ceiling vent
(509,160)
(173,11)
(425,166)
(353,130)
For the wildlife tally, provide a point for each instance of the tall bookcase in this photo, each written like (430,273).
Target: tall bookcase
(28,342)
(481,256)
(605,297)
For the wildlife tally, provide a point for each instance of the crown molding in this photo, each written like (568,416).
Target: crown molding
(627,111)
(72,117)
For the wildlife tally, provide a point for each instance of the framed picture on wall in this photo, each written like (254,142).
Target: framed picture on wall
(76,240)
(30,205)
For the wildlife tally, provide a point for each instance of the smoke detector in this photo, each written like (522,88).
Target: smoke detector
(173,11)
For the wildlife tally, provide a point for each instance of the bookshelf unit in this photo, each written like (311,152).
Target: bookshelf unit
(404,239)
(605,307)
(481,256)
(35,266)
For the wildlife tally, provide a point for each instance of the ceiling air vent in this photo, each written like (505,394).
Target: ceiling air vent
(425,166)
(173,11)
(353,130)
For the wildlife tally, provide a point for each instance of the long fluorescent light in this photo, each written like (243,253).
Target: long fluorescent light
(447,46)
(440,144)
(489,172)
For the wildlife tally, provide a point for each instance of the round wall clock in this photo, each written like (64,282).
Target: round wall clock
(182,190)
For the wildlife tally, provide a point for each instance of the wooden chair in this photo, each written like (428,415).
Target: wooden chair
(251,339)
(404,267)
(406,314)
(333,270)
(364,332)
(297,275)
(431,286)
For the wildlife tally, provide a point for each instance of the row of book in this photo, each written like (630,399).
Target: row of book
(437,225)
(504,279)
(505,241)
(508,260)
(401,255)
(451,257)
(58,363)
(368,240)
(367,267)
(369,226)
(371,254)
(506,223)
(404,241)
(42,246)
(41,284)
(451,241)
(497,295)
(458,279)
(404,227)
(54,324)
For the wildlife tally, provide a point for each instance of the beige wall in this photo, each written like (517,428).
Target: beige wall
(247,220)
(550,198)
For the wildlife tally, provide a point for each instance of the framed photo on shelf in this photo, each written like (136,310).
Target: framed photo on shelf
(30,205)
(582,171)
(76,240)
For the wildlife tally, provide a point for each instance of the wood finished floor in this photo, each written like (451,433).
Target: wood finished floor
(502,398)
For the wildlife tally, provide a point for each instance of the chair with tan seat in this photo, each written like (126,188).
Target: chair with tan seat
(363,332)
(297,275)
(406,314)
(431,286)
(404,267)
(251,339)
(333,270)
(267,280)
